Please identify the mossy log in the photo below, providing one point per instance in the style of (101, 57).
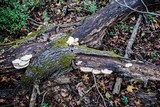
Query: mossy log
(53, 58)
(57, 60)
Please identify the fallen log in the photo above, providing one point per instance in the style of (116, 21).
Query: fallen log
(52, 58)
(57, 60)
(92, 31)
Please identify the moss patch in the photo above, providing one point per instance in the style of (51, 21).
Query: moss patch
(107, 52)
(113, 54)
(66, 60)
(61, 41)
(46, 68)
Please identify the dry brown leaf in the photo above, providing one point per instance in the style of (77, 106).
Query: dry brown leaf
(85, 78)
(4, 79)
(130, 88)
(117, 101)
(2, 100)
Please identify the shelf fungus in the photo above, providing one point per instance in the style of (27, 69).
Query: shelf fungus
(127, 65)
(95, 71)
(72, 41)
(22, 62)
(86, 69)
(106, 71)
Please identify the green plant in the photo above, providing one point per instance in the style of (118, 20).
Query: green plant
(44, 104)
(150, 17)
(89, 6)
(154, 53)
(123, 27)
(13, 14)
(45, 17)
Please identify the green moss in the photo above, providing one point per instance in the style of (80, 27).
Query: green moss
(61, 41)
(46, 68)
(107, 52)
(66, 60)
(26, 81)
(113, 53)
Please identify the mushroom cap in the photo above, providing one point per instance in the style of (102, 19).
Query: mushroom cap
(127, 65)
(26, 57)
(70, 40)
(86, 69)
(21, 67)
(78, 62)
(76, 39)
(16, 62)
(96, 71)
(23, 63)
(106, 71)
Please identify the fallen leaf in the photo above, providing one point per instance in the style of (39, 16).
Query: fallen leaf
(58, 12)
(2, 100)
(85, 78)
(124, 99)
(117, 101)
(130, 88)
(4, 79)
(107, 95)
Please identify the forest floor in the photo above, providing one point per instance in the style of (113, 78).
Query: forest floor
(77, 89)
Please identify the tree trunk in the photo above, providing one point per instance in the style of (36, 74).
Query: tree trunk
(51, 59)
(92, 31)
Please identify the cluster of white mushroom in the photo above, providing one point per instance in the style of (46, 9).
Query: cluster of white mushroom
(96, 71)
(72, 41)
(99, 71)
(22, 62)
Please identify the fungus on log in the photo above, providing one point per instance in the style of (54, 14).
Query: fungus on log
(51, 58)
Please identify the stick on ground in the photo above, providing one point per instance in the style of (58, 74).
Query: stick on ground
(132, 38)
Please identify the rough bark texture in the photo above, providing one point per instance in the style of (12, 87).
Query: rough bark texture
(54, 59)
(92, 31)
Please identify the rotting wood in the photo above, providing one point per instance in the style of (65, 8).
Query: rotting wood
(54, 60)
(92, 31)
(33, 96)
(88, 57)
(117, 86)
(133, 37)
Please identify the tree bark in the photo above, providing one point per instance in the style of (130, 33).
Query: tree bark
(92, 31)
(51, 60)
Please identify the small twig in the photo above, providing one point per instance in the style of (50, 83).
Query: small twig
(37, 23)
(95, 82)
(132, 38)
(90, 88)
(126, 5)
(43, 97)
(145, 5)
(33, 96)
(117, 86)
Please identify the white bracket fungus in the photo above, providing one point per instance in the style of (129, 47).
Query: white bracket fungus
(106, 71)
(22, 62)
(86, 69)
(127, 65)
(79, 62)
(72, 41)
(95, 71)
